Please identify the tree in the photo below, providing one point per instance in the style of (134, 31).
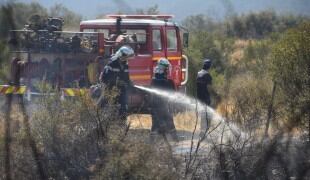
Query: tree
(20, 13)
(291, 71)
(260, 25)
(200, 22)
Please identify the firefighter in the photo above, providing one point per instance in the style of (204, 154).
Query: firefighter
(162, 119)
(115, 77)
(203, 80)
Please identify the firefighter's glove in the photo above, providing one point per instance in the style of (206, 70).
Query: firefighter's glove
(96, 91)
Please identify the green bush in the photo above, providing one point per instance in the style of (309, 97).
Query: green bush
(290, 69)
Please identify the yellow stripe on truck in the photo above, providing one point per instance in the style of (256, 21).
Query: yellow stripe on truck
(82, 92)
(171, 58)
(70, 92)
(140, 77)
(21, 90)
(74, 92)
(6, 89)
(9, 90)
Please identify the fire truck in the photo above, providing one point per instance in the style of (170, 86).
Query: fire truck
(72, 61)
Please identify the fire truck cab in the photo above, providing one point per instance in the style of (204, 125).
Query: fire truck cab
(154, 37)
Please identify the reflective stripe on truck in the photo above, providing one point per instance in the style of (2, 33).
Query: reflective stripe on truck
(8, 89)
(74, 91)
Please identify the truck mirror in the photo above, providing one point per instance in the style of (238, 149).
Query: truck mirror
(185, 39)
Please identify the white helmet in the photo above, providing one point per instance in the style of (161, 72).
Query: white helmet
(123, 53)
(162, 66)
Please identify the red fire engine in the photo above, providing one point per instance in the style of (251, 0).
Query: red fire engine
(64, 58)
(156, 37)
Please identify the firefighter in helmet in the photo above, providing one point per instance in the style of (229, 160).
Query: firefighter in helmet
(204, 80)
(162, 119)
(115, 77)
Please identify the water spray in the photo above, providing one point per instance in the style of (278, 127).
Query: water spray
(194, 104)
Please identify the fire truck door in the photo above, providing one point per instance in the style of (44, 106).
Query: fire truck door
(174, 53)
(157, 45)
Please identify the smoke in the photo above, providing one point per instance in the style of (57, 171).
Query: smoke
(228, 7)
(123, 7)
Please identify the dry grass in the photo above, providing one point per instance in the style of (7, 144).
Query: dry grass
(186, 121)
(183, 121)
(241, 43)
(16, 120)
(1, 125)
(238, 53)
(140, 121)
(236, 56)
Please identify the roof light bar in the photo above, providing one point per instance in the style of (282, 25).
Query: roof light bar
(142, 16)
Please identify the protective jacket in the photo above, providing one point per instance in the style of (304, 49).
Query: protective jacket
(203, 80)
(162, 119)
(116, 75)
